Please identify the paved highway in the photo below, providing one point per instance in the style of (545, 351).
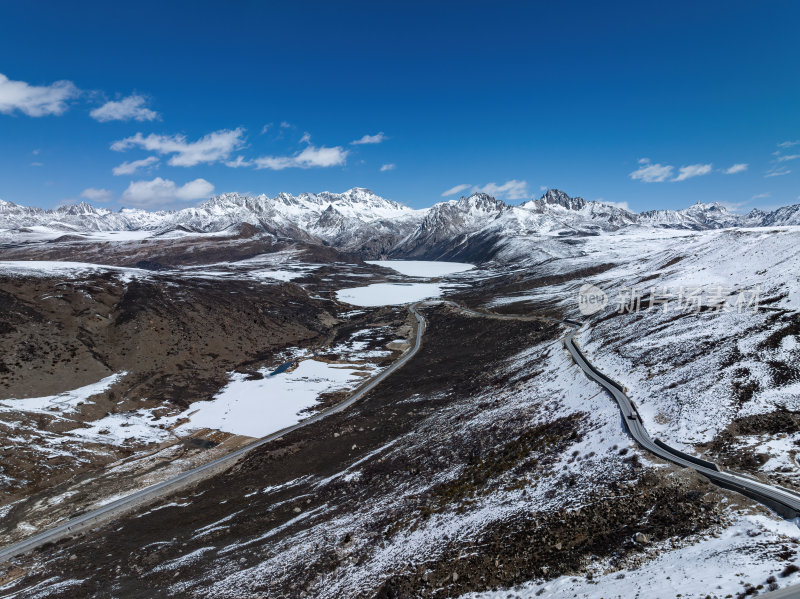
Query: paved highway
(783, 501)
(152, 493)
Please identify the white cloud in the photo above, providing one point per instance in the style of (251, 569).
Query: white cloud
(94, 194)
(37, 163)
(208, 149)
(786, 157)
(285, 125)
(311, 156)
(651, 173)
(511, 190)
(658, 173)
(761, 196)
(777, 172)
(693, 170)
(127, 109)
(306, 139)
(265, 128)
(35, 100)
(128, 168)
(239, 162)
(160, 191)
(789, 144)
(736, 168)
(388, 167)
(369, 139)
(456, 189)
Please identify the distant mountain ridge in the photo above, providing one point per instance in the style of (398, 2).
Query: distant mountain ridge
(359, 220)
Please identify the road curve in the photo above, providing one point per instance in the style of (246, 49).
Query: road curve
(150, 494)
(784, 502)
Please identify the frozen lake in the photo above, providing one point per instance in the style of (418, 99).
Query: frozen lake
(423, 268)
(389, 294)
(395, 294)
(256, 408)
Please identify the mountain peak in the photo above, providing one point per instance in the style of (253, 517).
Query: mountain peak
(702, 206)
(80, 208)
(481, 201)
(359, 191)
(559, 198)
(554, 197)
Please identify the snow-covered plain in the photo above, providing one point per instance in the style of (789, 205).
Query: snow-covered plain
(51, 268)
(44, 233)
(284, 266)
(266, 268)
(256, 408)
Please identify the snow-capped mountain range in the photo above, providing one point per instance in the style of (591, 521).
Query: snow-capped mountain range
(362, 221)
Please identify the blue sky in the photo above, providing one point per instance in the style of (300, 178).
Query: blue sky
(657, 105)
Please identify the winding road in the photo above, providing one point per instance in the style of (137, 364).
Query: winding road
(784, 502)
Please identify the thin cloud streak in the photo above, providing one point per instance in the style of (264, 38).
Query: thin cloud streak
(129, 168)
(456, 189)
(369, 139)
(736, 168)
(131, 108)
